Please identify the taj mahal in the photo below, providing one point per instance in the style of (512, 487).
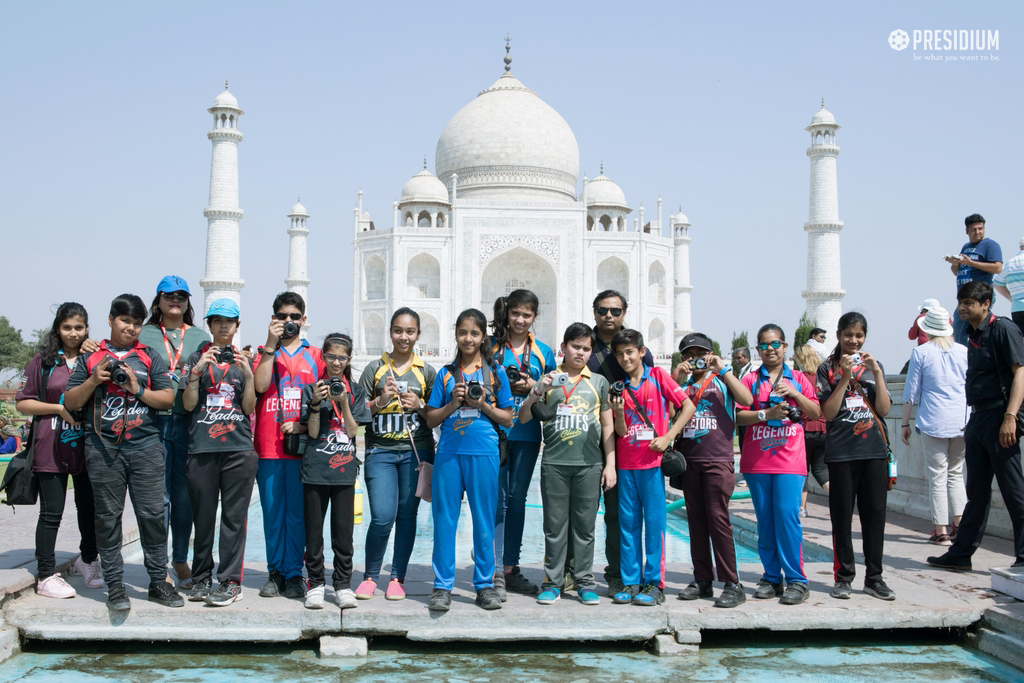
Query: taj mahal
(504, 209)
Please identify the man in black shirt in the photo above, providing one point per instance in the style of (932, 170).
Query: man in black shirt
(995, 390)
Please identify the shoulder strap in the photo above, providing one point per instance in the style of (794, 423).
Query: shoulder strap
(597, 395)
(280, 394)
(45, 371)
(640, 409)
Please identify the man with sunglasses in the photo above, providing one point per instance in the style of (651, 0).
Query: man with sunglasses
(171, 334)
(609, 315)
(286, 364)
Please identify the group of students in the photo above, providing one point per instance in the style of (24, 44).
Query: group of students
(181, 421)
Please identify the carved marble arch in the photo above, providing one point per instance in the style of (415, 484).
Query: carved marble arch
(373, 333)
(527, 270)
(590, 222)
(613, 273)
(407, 221)
(423, 277)
(423, 220)
(374, 272)
(655, 340)
(430, 335)
(656, 284)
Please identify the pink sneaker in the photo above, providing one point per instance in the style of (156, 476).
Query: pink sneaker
(55, 587)
(366, 589)
(395, 591)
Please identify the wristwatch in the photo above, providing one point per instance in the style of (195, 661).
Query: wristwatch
(761, 416)
(724, 371)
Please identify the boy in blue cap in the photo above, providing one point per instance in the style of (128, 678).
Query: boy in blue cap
(219, 391)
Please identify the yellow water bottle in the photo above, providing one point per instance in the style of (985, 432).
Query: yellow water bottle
(357, 504)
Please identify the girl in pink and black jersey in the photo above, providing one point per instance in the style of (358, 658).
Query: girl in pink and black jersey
(774, 463)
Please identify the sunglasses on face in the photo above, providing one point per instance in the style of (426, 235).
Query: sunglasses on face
(331, 358)
(285, 316)
(175, 296)
(603, 310)
(773, 344)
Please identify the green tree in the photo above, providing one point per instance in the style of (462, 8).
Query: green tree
(14, 352)
(677, 358)
(716, 349)
(803, 331)
(739, 340)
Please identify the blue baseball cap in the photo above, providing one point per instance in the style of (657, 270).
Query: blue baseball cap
(173, 283)
(225, 308)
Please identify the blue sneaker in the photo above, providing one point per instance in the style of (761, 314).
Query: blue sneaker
(548, 596)
(650, 596)
(589, 597)
(626, 595)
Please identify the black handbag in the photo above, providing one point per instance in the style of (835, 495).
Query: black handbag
(20, 483)
(673, 463)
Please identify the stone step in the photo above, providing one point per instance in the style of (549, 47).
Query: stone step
(1000, 645)
(1008, 618)
(1008, 581)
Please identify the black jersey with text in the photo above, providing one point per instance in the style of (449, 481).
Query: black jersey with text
(853, 433)
(330, 459)
(217, 424)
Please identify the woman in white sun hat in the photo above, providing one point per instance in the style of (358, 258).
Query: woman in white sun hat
(936, 379)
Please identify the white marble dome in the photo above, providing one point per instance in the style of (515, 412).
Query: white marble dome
(226, 99)
(602, 191)
(509, 142)
(424, 187)
(822, 116)
(680, 219)
(298, 210)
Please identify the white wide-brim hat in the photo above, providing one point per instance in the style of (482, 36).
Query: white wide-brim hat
(929, 304)
(936, 322)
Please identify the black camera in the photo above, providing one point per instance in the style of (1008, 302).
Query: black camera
(616, 389)
(336, 387)
(700, 364)
(475, 390)
(794, 414)
(118, 371)
(290, 330)
(513, 373)
(225, 355)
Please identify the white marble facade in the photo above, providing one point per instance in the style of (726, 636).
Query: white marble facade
(503, 213)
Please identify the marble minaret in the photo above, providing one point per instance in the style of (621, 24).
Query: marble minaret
(298, 278)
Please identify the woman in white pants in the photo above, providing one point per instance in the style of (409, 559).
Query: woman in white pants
(936, 379)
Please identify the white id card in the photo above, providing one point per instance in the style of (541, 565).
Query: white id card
(855, 403)
(342, 437)
(292, 393)
(689, 432)
(563, 410)
(645, 435)
(215, 401)
(468, 413)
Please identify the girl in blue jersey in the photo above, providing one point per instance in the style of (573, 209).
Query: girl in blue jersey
(525, 360)
(469, 400)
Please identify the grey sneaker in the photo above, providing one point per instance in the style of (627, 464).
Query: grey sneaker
(765, 589)
(117, 598)
(697, 589)
(499, 586)
(441, 600)
(517, 583)
(626, 594)
(488, 598)
(614, 585)
(878, 589)
(842, 590)
(795, 593)
(226, 593)
(200, 589)
(274, 585)
(164, 593)
(295, 587)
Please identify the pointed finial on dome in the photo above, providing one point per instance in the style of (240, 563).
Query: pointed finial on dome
(508, 49)
(602, 166)
(298, 200)
(822, 102)
(225, 84)
(424, 162)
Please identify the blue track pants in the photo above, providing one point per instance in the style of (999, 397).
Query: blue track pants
(283, 508)
(780, 536)
(642, 519)
(477, 475)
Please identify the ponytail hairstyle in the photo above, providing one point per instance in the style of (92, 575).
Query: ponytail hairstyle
(847, 321)
(480, 320)
(339, 339)
(50, 345)
(130, 305)
(504, 304)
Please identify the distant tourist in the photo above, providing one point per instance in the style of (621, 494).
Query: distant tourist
(817, 342)
(854, 400)
(979, 260)
(916, 333)
(741, 362)
(1010, 284)
(774, 464)
(995, 374)
(936, 379)
(59, 451)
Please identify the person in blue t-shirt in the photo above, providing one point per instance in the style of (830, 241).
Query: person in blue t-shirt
(526, 360)
(469, 400)
(980, 260)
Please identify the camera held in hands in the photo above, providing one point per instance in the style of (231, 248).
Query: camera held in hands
(513, 374)
(792, 412)
(290, 330)
(475, 390)
(616, 389)
(561, 379)
(335, 387)
(856, 358)
(118, 372)
(225, 355)
(700, 364)
(401, 386)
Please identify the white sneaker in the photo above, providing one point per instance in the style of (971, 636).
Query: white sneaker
(55, 587)
(315, 598)
(91, 572)
(346, 598)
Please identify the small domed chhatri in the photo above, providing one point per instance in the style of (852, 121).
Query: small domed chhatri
(822, 115)
(602, 191)
(424, 188)
(225, 99)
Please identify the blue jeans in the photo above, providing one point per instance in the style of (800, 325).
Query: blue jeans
(513, 485)
(177, 506)
(391, 478)
(780, 538)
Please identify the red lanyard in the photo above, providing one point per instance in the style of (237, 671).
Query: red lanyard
(174, 358)
(568, 394)
(526, 354)
(215, 383)
(700, 392)
(334, 404)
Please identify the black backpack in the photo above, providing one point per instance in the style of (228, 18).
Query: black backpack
(20, 483)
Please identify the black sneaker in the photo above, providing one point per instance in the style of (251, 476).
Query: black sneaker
(697, 589)
(625, 595)
(295, 587)
(878, 589)
(226, 593)
(274, 585)
(732, 595)
(517, 583)
(795, 593)
(200, 589)
(488, 598)
(1017, 565)
(842, 590)
(947, 561)
(499, 586)
(765, 589)
(650, 596)
(440, 600)
(165, 594)
(117, 598)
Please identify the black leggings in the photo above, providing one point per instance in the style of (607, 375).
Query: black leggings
(866, 483)
(53, 489)
(814, 444)
(342, 503)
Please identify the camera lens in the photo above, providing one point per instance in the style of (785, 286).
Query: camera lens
(336, 387)
(226, 356)
(616, 389)
(290, 329)
(475, 391)
(700, 364)
(513, 374)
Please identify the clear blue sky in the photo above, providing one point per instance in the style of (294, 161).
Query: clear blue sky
(104, 160)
